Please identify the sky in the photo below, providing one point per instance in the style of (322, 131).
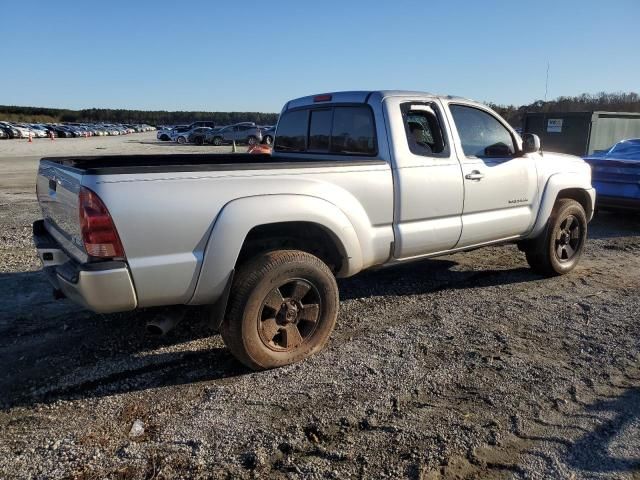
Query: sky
(254, 56)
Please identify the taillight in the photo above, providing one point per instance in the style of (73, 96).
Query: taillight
(99, 234)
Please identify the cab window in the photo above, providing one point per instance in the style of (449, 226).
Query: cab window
(481, 134)
(424, 130)
(342, 130)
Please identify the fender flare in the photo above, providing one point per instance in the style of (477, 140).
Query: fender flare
(239, 216)
(556, 184)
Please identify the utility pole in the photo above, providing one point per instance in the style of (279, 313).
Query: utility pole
(546, 85)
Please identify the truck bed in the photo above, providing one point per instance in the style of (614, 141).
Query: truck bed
(127, 164)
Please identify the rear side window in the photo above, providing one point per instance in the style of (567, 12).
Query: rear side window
(348, 130)
(424, 131)
(481, 134)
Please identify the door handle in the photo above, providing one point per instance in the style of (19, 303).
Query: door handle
(474, 175)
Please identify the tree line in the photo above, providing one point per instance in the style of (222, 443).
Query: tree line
(109, 115)
(614, 102)
(611, 102)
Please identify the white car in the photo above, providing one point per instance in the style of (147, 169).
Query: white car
(24, 132)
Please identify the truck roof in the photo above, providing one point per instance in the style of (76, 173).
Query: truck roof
(359, 96)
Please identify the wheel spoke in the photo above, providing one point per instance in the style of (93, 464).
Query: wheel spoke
(569, 251)
(560, 251)
(269, 328)
(274, 300)
(300, 289)
(310, 313)
(292, 337)
(570, 221)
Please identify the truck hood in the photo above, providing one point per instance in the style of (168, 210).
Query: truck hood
(552, 163)
(562, 162)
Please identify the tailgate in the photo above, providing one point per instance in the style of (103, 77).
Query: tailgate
(57, 188)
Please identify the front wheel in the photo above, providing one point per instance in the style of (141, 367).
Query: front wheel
(252, 140)
(558, 249)
(282, 309)
(182, 140)
(217, 141)
(268, 140)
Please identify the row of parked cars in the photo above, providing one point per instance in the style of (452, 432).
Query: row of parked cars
(68, 130)
(201, 133)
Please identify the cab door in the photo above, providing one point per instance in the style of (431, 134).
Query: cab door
(428, 181)
(500, 183)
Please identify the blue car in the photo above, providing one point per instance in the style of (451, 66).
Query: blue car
(616, 175)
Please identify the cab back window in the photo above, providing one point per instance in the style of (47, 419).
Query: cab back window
(320, 130)
(348, 130)
(292, 132)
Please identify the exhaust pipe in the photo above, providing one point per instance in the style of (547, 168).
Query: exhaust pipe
(166, 321)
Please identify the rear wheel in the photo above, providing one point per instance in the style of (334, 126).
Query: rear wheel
(252, 140)
(217, 141)
(558, 249)
(182, 140)
(268, 140)
(282, 309)
(199, 141)
(164, 137)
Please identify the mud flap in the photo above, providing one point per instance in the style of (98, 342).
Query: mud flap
(218, 310)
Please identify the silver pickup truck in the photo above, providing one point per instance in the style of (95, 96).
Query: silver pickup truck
(356, 180)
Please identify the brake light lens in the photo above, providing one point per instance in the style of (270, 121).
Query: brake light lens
(322, 98)
(99, 233)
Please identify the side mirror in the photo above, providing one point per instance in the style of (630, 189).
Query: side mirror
(530, 143)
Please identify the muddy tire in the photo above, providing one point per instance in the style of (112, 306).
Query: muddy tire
(559, 247)
(282, 309)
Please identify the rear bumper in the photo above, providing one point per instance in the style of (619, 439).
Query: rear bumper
(103, 287)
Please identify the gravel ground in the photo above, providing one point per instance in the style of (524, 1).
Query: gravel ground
(468, 366)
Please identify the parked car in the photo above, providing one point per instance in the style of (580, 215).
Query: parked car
(198, 134)
(616, 175)
(9, 130)
(3, 135)
(349, 186)
(22, 131)
(62, 132)
(244, 132)
(176, 132)
(268, 134)
(163, 134)
(208, 124)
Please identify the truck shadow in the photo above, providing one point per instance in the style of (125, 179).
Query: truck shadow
(54, 350)
(610, 224)
(428, 276)
(595, 451)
